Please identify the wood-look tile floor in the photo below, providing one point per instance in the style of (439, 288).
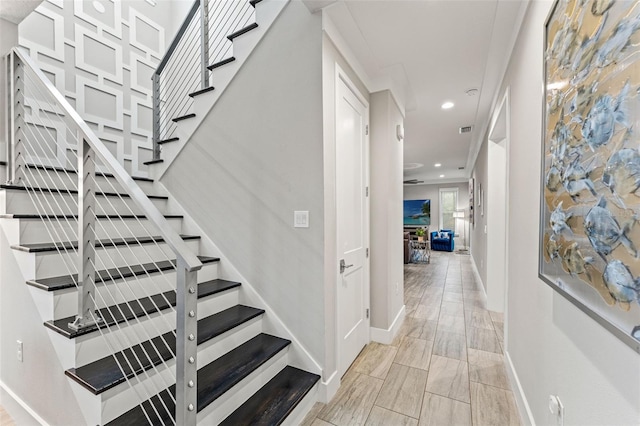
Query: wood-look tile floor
(445, 367)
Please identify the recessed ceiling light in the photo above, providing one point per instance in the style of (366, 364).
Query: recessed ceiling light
(441, 175)
(437, 165)
(447, 105)
(411, 166)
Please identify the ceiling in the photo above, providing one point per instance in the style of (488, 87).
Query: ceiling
(16, 10)
(429, 52)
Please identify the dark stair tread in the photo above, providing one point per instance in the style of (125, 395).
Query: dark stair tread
(74, 191)
(156, 161)
(3, 163)
(184, 117)
(69, 171)
(147, 305)
(201, 91)
(68, 281)
(73, 216)
(275, 400)
(214, 380)
(106, 373)
(242, 31)
(70, 245)
(221, 63)
(167, 141)
(254, 2)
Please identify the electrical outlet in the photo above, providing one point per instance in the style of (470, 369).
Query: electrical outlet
(556, 409)
(19, 352)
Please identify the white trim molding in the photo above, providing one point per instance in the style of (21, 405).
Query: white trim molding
(383, 336)
(23, 404)
(526, 416)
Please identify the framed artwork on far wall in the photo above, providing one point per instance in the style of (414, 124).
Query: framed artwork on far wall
(471, 189)
(589, 249)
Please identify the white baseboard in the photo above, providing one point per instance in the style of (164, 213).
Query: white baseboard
(23, 405)
(383, 336)
(477, 275)
(328, 388)
(526, 416)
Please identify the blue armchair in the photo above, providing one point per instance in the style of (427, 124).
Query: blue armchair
(442, 244)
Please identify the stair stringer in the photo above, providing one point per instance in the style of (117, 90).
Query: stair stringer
(299, 356)
(266, 13)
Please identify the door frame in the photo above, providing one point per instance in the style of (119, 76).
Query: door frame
(340, 74)
(499, 133)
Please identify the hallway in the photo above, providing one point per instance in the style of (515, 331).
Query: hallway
(445, 367)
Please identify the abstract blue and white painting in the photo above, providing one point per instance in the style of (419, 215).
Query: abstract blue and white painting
(590, 208)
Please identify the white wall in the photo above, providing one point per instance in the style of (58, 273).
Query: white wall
(496, 225)
(102, 63)
(432, 192)
(387, 274)
(478, 233)
(38, 380)
(553, 346)
(254, 160)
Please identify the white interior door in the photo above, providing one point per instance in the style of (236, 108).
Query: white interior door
(352, 223)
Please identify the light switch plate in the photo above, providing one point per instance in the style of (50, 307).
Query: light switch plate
(300, 219)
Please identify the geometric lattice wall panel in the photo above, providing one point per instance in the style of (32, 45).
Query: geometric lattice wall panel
(101, 54)
(43, 33)
(146, 34)
(141, 73)
(99, 103)
(106, 15)
(98, 55)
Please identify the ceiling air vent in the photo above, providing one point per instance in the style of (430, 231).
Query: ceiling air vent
(461, 168)
(465, 129)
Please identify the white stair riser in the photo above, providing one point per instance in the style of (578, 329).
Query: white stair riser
(23, 202)
(125, 396)
(132, 288)
(95, 346)
(221, 408)
(51, 179)
(37, 231)
(53, 264)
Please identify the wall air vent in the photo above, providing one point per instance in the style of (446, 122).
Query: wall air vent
(466, 129)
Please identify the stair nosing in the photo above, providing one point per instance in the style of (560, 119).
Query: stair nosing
(156, 161)
(227, 285)
(242, 31)
(183, 117)
(304, 376)
(69, 171)
(279, 344)
(54, 247)
(162, 142)
(221, 63)
(250, 314)
(74, 191)
(124, 272)
(201, 91)
(21, 216)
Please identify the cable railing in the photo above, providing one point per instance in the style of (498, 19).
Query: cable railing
(200, 42)
(75, 210)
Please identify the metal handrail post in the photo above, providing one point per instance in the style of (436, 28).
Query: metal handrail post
(204, 47)
(186, 346)
(86, 238)
(156, 115)
(10, 114)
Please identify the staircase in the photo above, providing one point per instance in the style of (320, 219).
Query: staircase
(132, 301)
